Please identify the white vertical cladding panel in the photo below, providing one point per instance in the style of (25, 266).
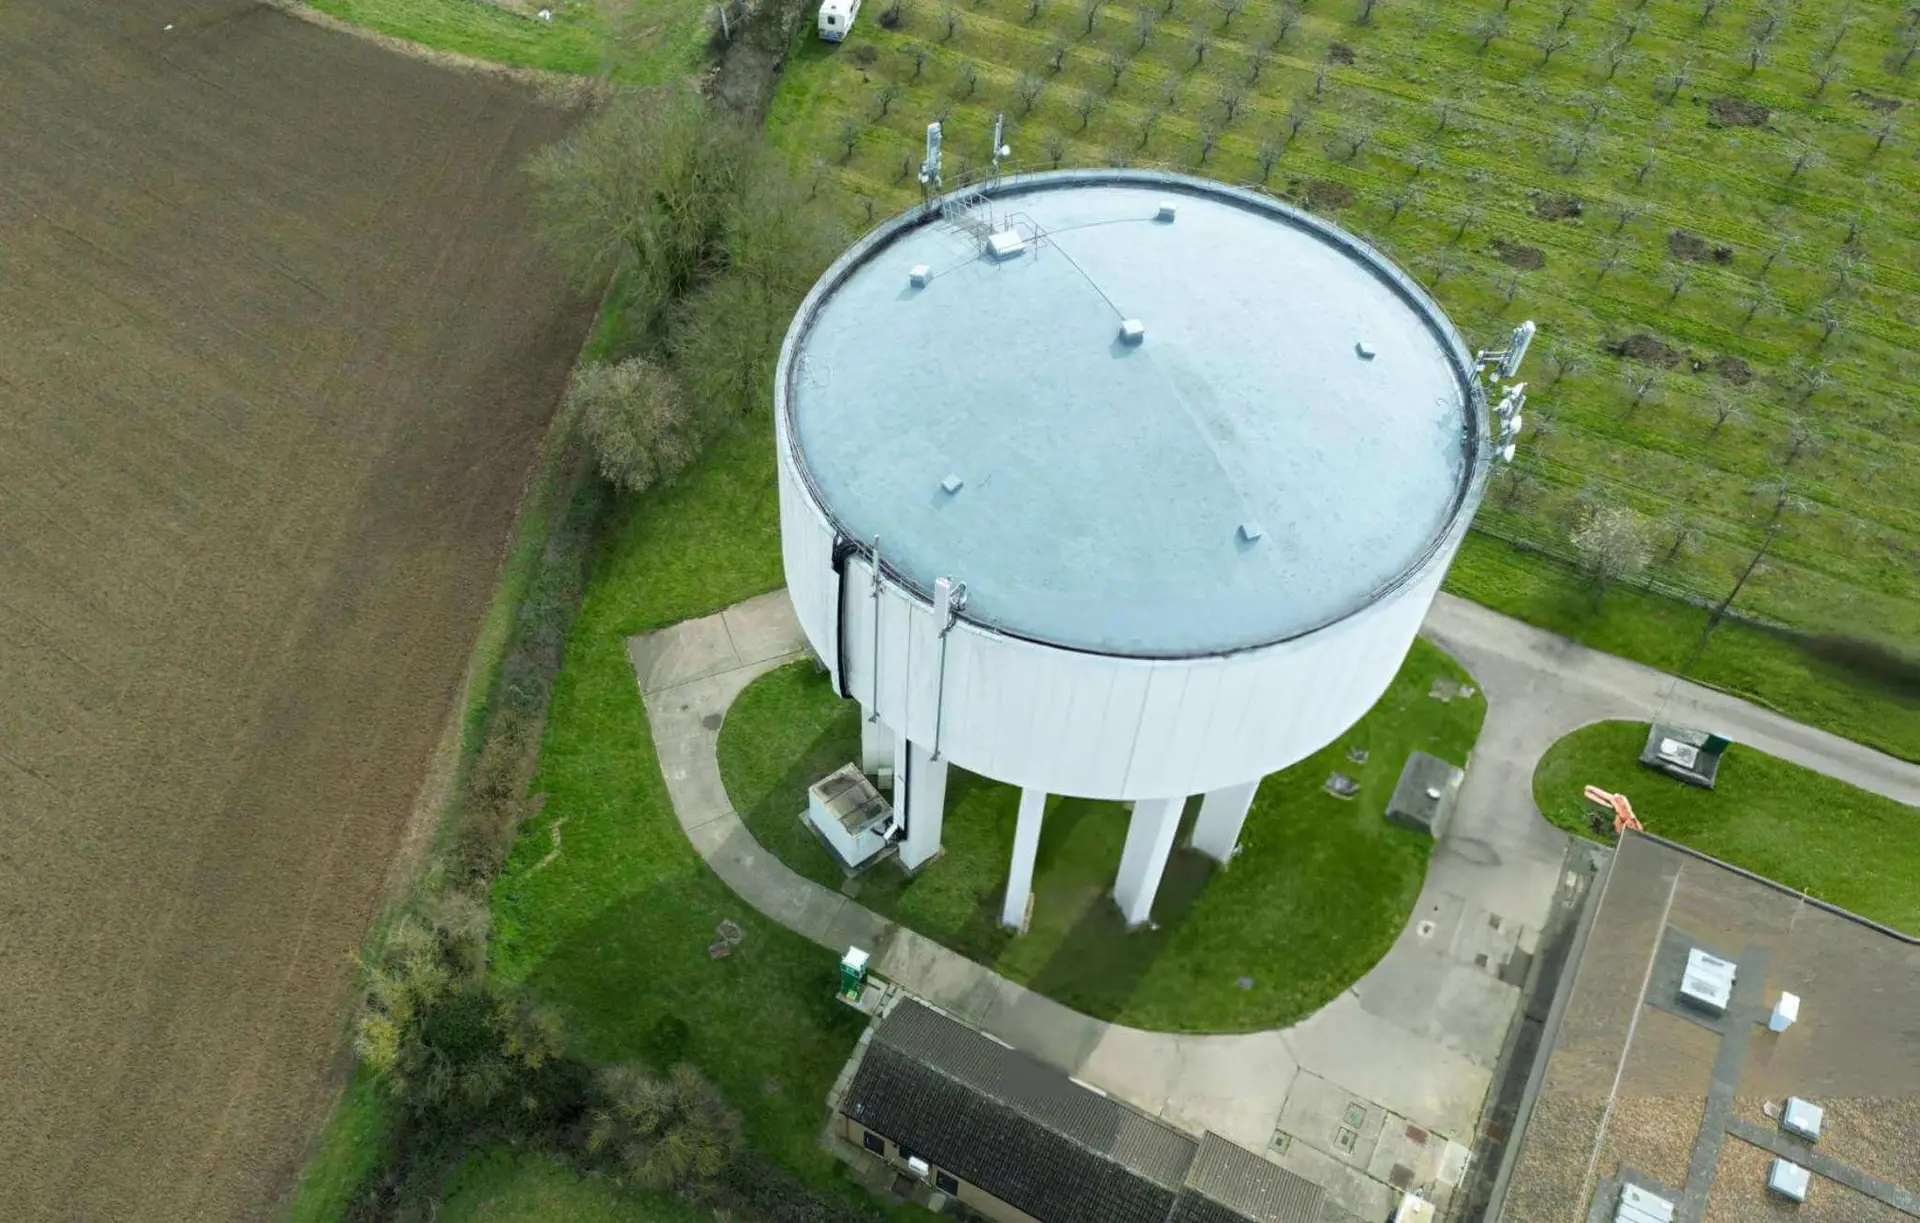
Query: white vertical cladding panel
(918, 627)
(806, 553)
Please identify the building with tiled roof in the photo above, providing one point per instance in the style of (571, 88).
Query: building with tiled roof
(1017, 1140)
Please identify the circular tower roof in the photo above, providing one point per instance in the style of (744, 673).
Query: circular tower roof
(1288, 439)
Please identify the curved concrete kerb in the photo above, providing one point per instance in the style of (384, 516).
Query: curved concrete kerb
(1413, 1044)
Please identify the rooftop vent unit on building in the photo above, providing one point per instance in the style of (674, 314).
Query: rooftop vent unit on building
(1639, 1206)
(1708, 981)
(1785, 1012)
(1168, 211)
(920, 274)
(1802, 1118)
(1005, 244)
(1789, 1180)
(1132, 331)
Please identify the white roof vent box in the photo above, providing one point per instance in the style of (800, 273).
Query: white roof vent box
(1639, 1206)
(1802, 1118)
(1708, 982)
(1789, 1180)
(1005, 245)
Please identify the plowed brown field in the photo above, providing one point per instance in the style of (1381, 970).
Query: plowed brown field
(276, 350)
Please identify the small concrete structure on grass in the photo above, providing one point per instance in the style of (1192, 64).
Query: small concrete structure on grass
(1118, 485)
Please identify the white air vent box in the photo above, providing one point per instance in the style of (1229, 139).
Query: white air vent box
(1789, 1180)
(1639, 1206)
(919, 275)
(1168, 211)
(1005, 244)
(1785, 1012)
(1800, 1117)
(1708, 981)
(1132, 331)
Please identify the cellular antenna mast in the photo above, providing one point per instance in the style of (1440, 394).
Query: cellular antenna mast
(1505, 364)
(1000, 147)
(930, 167)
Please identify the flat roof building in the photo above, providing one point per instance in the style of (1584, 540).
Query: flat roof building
(1120, 485)
(1642, 1097)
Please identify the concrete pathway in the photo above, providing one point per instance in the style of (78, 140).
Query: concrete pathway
(1412, 1044)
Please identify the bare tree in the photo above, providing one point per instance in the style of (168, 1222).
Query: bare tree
(1567, 10)
(1759, 51)
(1084, 104)
(1610, 254)
(1269, 155)
(1553, 41)
(949, 20)
(1487, 27)
(1443, 263)
(1319, 82)
(1116, 63)
(1809, 377)
(1467, 218)
(1684, 532)
(1649, 162)
(1286, 15)
(1806, 156)
(1679, 79)
(1707, 8)
(1443, 111)
(1824, 69)
(1206, 139)
(1757, 298)
(1028, 88)
(1148, 121)
(1170, 93)
(1566, 358)
(1055, 147)
(1055, 55)
(1679, 276)
(1908, 39)
(1231, 96)
(1516, 484)
(1365, 15)
(1297, 116)
(1399, 197)
(1781, 245)
(1033, 10)
(1200, 41)
(969, 78)
(849, 137)
(1724, 405)
(1611, 542)
(1882, 129)
(1631, 25)
(1257, 60)
(1617, 53)
(1356, 135)
(1144, 20)
(1643, 382)
(1229, 9)
(1837, 32)
(1830, 316)
(1804, 438)
(918, 54)
(1784, 499)
(1089, 13)
(884, 98)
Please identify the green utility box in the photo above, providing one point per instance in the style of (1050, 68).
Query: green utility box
(853, 973)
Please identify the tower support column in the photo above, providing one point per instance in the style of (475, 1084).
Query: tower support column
(876, 743)
(920, 799)
(1150, 836)
(1026, 847)
(1222, 814)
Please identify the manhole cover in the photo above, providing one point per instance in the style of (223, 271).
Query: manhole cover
(1342, 786)
(1424, 929)
(1356, 1115)
(1344, 1140)
(711, 721)
(1281, 1142)
(731, 932)
(1245, 983)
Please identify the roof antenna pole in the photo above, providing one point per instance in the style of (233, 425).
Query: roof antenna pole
(930, 165)
(1506, 363)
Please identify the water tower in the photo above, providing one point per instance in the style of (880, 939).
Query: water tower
(1116, 484)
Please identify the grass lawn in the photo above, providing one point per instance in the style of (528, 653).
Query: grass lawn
(498, 1186)
(1320, 891)
(642, 42)
(1470, 165)
(1824, 837)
